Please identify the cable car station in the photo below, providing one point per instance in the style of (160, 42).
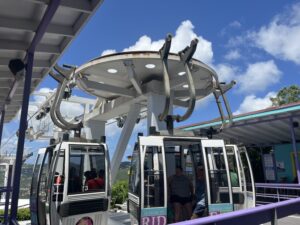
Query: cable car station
(210, 162)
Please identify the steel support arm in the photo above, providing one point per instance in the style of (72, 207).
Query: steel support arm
(164, 53)
(124, 139)
(185, 57)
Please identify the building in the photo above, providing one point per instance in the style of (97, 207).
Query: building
(272, 137)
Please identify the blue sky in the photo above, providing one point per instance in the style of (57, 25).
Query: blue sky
(253, 42)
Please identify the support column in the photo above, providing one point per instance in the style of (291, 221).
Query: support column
(1, 126)
(21, 140)
(94, 129)
(295, 148)
(156, 104)
(124, 139)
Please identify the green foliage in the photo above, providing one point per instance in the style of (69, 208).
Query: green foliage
(287, 95)
(119, 192)
(23, 214)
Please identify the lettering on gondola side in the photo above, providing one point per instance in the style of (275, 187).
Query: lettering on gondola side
(154, 220)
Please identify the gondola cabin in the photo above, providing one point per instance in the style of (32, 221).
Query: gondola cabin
(71, 184)
(160, 164)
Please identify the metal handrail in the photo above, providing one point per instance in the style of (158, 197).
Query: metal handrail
(276, 185)
(253, 216)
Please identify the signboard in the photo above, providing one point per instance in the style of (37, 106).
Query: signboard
(269, 167)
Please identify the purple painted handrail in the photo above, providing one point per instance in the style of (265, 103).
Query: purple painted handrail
(257, 215)
(276, 185)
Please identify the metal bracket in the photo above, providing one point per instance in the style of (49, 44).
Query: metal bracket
(185, 57)
(56, 76)
(132, 76)
(63, 77)
(164, 53)
(220, 91)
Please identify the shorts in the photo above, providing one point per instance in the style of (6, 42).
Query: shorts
(181, 200)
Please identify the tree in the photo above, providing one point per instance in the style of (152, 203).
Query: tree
(119, 192)
(287, 95)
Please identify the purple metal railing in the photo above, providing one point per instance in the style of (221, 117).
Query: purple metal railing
(253, 216)
(7, 190)
(1, 125)
(273, 192)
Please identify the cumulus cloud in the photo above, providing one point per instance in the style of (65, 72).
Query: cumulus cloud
(279, 38)
(226, 72)
(232, 55)
(235, 24)
(253, 103)
(183, 36)
(259, 76)
(108, 52)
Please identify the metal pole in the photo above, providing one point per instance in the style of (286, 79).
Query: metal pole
(8, 190)
(1, 126)
(22, 130)
(295, 148)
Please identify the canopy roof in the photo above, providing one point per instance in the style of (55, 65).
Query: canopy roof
(264, 127)
(19, 20)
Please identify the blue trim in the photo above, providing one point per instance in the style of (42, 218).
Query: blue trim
(252, 116)
(159, 211)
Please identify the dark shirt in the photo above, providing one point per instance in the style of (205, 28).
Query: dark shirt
(200, 191)
(180, 186)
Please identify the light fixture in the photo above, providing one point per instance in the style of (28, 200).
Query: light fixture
(185, 86)
(150, 66)
(181, 73)
(111, 70)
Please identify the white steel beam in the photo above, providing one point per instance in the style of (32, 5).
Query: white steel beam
(4, 76)
(108, 88)
(124, 139)
(29, 25)
(23, 46)
(76, 5)
(156, 104)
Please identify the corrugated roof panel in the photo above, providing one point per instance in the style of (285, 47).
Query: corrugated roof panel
(19, 20)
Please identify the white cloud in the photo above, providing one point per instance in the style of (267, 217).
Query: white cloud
(108, 52)
(280, 37)
(259, 76)
(232, 55)
(235, 24)
(225, 72)
(253, 103)
(183, 36)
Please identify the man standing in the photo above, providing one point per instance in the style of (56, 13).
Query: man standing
(200, 193)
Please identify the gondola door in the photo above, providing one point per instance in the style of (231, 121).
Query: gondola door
(34, 187)
(249, 179)
(219, 191)
(237, 177)
(134, 187)
(55, 186)
(39, 187)
(147, 192)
